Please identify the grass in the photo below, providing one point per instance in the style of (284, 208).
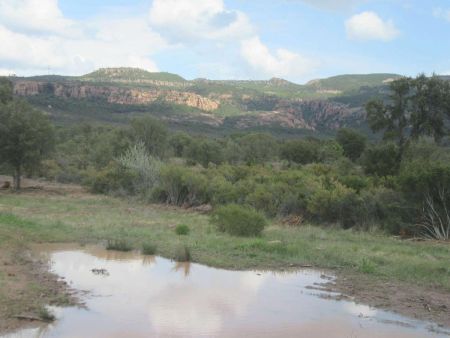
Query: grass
(46, 315)
(182, 254)
(84, 218)
(182, 229)
(148, 249)
(118, 245)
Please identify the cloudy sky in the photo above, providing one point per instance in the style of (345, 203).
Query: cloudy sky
(226, 39)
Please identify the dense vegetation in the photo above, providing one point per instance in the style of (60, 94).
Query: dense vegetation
(399, 184)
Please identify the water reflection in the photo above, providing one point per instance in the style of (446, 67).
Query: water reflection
(146, 296)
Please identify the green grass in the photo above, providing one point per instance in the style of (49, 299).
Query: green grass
(118, 245)
(148, 249)
(182, 229)
(88, 218)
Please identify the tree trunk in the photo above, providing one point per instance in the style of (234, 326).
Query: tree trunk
(17, 178)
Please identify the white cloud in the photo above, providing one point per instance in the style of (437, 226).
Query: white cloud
(369, 26)
(186, 20)
(442, 13)
(282, 63)
(33, 44)
(333, 4)
(34, 16)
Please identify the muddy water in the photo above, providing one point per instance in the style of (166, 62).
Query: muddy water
(146, 296)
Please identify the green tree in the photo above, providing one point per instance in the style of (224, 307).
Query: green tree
(416, 107)
(431, 102)
(205, 151)
(26, 136)
(300, 151)
(393, 118)
(6, 90)
(381, 160)
(352, 142)
(152, 132)
(258, 148)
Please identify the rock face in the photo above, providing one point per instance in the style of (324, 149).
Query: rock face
(118, 95)
(303, 114)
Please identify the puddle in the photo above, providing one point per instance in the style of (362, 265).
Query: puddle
(130, 295)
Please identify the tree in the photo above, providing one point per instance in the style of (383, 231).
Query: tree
(381, 160)
(300, 151)
(416, 107)
(205, 151)
(352, 142)
(258, 148)
(394, 117)
(6, 90)
(152, 132)
(26, 136)
(431, 102)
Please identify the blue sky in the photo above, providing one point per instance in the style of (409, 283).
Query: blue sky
(234, 39)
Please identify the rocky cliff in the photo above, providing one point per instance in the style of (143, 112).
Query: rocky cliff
(114, 94)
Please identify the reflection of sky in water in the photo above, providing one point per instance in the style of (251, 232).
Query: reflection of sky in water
(146, 296)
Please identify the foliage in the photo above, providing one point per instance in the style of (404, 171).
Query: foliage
(300, 151)
(152, 132)
(182, 254)
(417, 107)
(182, 229)
(352, 142)
(118, 245)
(239, 221)
(381, 160)
(258, 148)
(26, 136)
(144, 167)
(149, 249)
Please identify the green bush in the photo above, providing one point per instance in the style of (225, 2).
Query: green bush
(182, 254)
(182, 229)
(238, 220)
(118, 245)
(148, 249)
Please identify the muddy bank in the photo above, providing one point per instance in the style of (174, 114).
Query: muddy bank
(409, 300)
(26, 287)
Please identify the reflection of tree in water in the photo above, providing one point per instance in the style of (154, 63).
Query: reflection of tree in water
(184, 266)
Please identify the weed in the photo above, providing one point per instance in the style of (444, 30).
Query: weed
(46, 315)
(118, 245)
(366, 266)
(148, 249)
(182, 229)
(182, 254)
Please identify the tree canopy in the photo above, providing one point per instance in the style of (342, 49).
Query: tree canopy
(26, 134)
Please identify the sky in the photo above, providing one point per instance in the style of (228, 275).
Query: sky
(298, 40)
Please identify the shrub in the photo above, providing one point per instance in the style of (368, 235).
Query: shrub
(148, 249)
(112, 178)
(45, 315)
(118, 245)
(352, 142)
(239, 221)
(173, 185)
(182, 229)
(381, 160)
(182, 254)
(300, 151)
(144, 167)
(366, 266)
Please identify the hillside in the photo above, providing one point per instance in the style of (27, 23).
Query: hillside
(114, 95)
(351, 82)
